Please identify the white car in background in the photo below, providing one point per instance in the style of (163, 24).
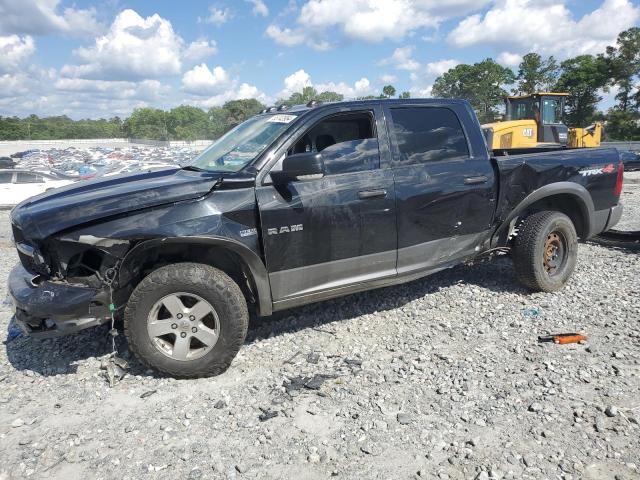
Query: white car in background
(18, 185)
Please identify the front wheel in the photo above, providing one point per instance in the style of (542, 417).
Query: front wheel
(187, 320)
(545, 251)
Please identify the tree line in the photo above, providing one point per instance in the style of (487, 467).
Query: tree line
(585, 78)
(185, 122)
(484, 84)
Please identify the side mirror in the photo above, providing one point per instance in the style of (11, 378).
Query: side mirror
(300, 166)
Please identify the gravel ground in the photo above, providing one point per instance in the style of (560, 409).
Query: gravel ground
(439, 378)
(631, 198)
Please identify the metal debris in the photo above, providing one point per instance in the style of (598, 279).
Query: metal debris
(267, 414)
(313, 358)
(148, 394)
(115, 369)
(310, 383)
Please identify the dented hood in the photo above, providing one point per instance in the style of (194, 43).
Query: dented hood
(43, 215)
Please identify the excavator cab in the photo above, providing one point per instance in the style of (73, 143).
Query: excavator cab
(546, 110)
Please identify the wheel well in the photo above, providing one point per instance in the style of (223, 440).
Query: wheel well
(568, 204)
(158, 256)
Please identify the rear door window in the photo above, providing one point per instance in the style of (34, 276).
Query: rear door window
(427, 134)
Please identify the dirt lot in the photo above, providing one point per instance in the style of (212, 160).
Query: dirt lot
(438, 378)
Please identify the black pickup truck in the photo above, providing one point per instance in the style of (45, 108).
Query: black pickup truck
(295, 206)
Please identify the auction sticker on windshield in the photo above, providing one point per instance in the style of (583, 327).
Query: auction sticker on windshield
(282, 118)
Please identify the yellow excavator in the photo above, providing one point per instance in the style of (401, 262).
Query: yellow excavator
(536, 121)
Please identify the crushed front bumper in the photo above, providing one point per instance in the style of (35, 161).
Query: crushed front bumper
(45, 309)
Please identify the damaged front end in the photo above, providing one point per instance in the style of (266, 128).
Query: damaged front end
(66, 280)
(64, 285)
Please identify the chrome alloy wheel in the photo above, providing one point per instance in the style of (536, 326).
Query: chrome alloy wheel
(183, 326)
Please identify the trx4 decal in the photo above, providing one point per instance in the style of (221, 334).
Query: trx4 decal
(597, 171)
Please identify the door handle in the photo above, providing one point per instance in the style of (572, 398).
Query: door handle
(476, 180)
(366, 194)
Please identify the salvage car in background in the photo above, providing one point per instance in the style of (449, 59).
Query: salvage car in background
(18, 185)
(295, 206)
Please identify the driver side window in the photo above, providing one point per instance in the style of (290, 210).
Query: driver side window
(348, 143)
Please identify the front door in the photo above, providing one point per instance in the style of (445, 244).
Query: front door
(330, 233)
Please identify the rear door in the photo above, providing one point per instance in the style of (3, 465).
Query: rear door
(444, 182)
(327, 234)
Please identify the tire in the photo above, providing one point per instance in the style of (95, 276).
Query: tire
(211, 328)
(541, 236)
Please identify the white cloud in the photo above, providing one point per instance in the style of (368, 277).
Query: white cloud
(422, 79)
(42, 17)
(301, 79)
(14, 50)
(113, 89)
(44, 92)
(360, 88)
(200, 49)
(421, 92)
(134, 48)
(387, 78)
(295, 83)
(402, 59)
(12, 85)
(218, 16)
(218, 86)
(435, 69)
(322, 23)
(370, 20)
(285, 36)
(202, 81)
(546, 28)
(508, 59)
(237, 92)
(259, 8)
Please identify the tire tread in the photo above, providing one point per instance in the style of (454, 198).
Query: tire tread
(191, 274)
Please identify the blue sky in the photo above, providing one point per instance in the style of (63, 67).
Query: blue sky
(99, 59)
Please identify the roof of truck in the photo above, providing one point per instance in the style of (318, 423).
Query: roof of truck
(351, 103)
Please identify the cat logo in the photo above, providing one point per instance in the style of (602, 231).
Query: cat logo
(527, 132)
(285, 229)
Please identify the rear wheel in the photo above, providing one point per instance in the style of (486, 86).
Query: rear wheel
(187, 320)
(545, 251)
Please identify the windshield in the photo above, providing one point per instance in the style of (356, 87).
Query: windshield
(524, 109)
(551, 111)
(240, 146)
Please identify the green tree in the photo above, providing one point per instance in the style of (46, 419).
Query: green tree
(622, 125)
(482, 84)
(308, 94)
(330, 97)
(405, 95)
(388, 91)
(147, 123)
(582, 77)
(237, 111)
(187, 123)
(623, 62)
(300, 98)
(536, 74)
